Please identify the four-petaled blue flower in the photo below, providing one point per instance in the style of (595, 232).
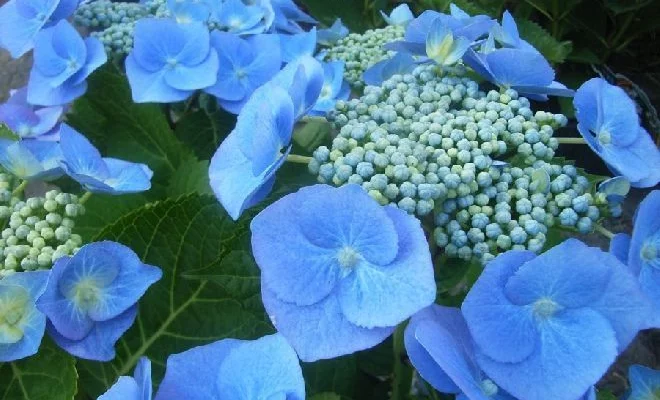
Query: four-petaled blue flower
(22, 326)
(90, 300)
(170, 61)
(31, 159)
(608, 121)
(137, 387)
(187, 11)
(644, 383)
(401, 15)
(232, 369)
(297, 45)
(234, 16)
(327, 37)
(401, 63)
(21, 21)
(334, 88)
(28, 121)
(334, 259)
(441, 45)
(83, 163)
(62, 63)
(245, 65)
(562, 316)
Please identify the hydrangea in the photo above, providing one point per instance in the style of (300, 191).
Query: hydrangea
(234, 16)
(644, 383)
(137, 387)
(29, 121)
(83, 162)
(608, 121)
(614, 190)
(22, 20)
(169, 61)
(329, 36)
(90, 300)
(288, 16)
(245, 65)
(231, 369)
(563, 316)
(359, 269)
(507, 34)
(187, 11)
(31, 159)
(62, 63)
(401, 15)
(400, 64)
(299, 45)
(442, 47)
(21, 324)
(334, 88)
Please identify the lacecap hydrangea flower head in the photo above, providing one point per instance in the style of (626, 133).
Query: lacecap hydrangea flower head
(549, 326)
(90, 300)
(137, 387)
(232, 369)
(334, 259)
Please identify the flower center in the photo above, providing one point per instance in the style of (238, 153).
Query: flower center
(326, 91)
(545, 307)
(86, 294)
(348, 257)
(650, 252)
(171, 63)
(604, 137)
(24, 130)
(72, 64)
(489, 387)
(240, 73)
(235, 23)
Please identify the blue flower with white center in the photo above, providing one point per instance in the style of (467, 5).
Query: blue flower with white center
(22, 20)
(22, 326)
(186, 11)
(527, 72)
(245, 65)
(137, 387)
(359, 269)
(31, 159)
(329, 36)
(297, 45)
(62, 63)
(644, 383)
(441, 349)
(562, 316)
(91, 298)
(234, 16)
(83, 163)
(401, 63)
(232, 369)
(608, 121)
(288, 16)
(28, 121)
(170, 61)
(400, 16)
(334, 88)
(442, 47)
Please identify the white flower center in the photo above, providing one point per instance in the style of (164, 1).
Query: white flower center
(348, 257)
(545, 307)
(604, 137)
(489, 387)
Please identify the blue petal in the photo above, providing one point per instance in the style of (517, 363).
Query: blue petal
(80, 156)
(18, 160)
(186, 11)
(329, 36)
(124, 389)
(40, 91)
(234, 55)
(649, 282)
(419, 27)
(512, 67)
(553, 89)
(48, 119)
(619, 246)
(303, 80)
(33, 281)
(95, 58)
(236, 17)
(332, 336)
(296, 46)
(195, 77)
(33, 331)
(401, 15)
(127, 177)
(477, 61)
(644, 149)
(17, 32)
(63, 10)
(644, 382)
(149, 86)
(142, 376)
(617, 187)
(291, 11)
(508, 33)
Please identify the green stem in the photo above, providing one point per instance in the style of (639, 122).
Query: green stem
(85, 197)
(567, 140)
(603, 231)
(402, 380)
(294, 158)
(626, 24)
(313, 119)
(19, 189)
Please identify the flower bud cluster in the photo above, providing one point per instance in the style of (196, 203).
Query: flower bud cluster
(102, 14)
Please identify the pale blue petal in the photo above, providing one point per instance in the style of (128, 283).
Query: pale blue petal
(329, 36)
(644, 383)
(18, 160)
(195, 77)
(303, 79)
(511, 67)
(126, 388)
(419, 27)
(151, 86)
(299, 45)
(47, 61)
(618, 114)
(234, 55)
(645, 149)
(156, 40)
(80, 156)
(619, 246)
(17, 32)
(40, 91)
(127, 177)
(142, 376)
(508, 35)
(63, 10)
(401, 15)
(33, 332)
(477, 61)
(553, 89)
(48, 118)
(236, 17)
(95, 58)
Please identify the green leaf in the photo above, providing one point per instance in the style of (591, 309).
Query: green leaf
(103, 209)
(48, 375)
(180, 236)
(554, 50)
(326, 396)
(203, 132)
(192, 177)
(619, 6)
(337, 375)
(351, 12)
(604, 394)
(6, 133)
(311, 134)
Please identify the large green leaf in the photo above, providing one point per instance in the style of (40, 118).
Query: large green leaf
(204, 131)
(351, 12)
(48, 375)
(554, 50)
(185, 235)
(101, 210)
(337, 375)
(192, 177)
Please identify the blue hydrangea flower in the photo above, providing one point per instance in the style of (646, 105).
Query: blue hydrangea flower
(329, 36)
(170, 61)
(232, 369)
(62, 63)
(21, 21)
(28, 121)
(83, 163)
(31, 159)
(440, 347)
(21, 324)
(400, 16)
(245, 65)
(90, 300)
(401, 63)
(303, 79)
(187, 11)
(288, 16)
(137, 387)
(357, 271)
(297, 45)
(334, 88)
(644, 383)
(442, 47)
(615, 191)
(234, 16)
(608, 121)
(507, 34)
(562, 316)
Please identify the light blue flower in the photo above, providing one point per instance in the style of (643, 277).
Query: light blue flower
(562, 316)
(442, 47)
(234, 16)
(507, 34)
(21, 21)
(28, 121)
(644, 383)
(186, 11)
(329, 36)
(608, 121)
(334, 88)
(288, 16)
(245, 65)
(303, 80)
(170, 61)
(137, 387)
(232, 369)
(358, 269)
(401, 16)
(90, 300)
(401, 63)
(62, 63)
(297, 45)
(441, 349)
(22, 326)
(83, 163)
(31, 159)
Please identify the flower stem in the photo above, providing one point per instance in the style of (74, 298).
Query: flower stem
(567, 140)
(402, 380)
(19, 189)
(85, 197)
(313, 119)
(603, 231)
(294, 158)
